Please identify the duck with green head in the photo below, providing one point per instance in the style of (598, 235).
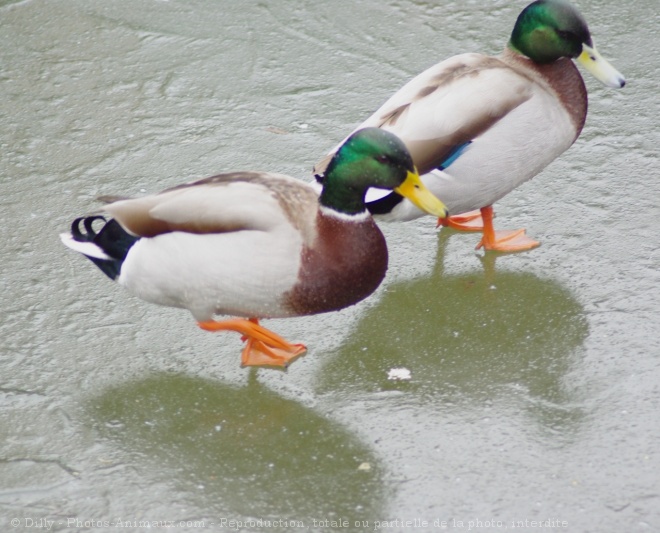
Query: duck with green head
(479, 126)
(255, 244)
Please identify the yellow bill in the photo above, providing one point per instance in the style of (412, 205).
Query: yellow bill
(591, 60)
(418, 194)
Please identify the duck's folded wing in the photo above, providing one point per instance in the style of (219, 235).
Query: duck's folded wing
(214, 205)
(450, 105)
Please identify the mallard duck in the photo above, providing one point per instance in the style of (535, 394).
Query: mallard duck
(479, 126)
(255, 244)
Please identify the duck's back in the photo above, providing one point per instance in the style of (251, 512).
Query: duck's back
(522, 142)
(231, 244)
(249, 244)
(484, 125)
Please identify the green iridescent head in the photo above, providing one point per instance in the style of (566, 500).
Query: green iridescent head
(372, 157)
(547, 30)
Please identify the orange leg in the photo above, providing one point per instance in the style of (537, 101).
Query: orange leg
(503, 241)
(263, 347)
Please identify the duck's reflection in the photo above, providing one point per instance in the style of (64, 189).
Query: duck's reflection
(471, 337)
(244, 452)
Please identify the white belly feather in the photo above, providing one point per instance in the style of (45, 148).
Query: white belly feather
(514, 150)
(243, 273)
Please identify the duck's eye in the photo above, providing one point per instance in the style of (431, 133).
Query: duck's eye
(383, 159)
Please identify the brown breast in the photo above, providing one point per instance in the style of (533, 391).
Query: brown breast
(562, 77)
(344, 265)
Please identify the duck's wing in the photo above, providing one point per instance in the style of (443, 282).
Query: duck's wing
(220, 204)
(448, 106)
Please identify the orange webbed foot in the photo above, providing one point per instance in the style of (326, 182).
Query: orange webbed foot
(263, 348)
(470, 221)
(503, 241)
(258, 353)
(507, 241)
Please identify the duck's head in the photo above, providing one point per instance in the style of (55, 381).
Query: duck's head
(372, 157)
(547, 30)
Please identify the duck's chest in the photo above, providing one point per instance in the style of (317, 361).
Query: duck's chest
(344, 265)
(557, 85)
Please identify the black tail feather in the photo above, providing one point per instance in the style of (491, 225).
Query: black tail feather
(112, 239)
